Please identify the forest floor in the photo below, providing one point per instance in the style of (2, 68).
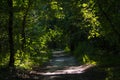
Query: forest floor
(62, 66)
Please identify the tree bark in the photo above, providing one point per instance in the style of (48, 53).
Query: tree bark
(10, 34)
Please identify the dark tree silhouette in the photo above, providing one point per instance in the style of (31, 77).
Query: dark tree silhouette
(10, 33)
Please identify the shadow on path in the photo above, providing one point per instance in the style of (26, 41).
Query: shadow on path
(64, 67)
(61, 67)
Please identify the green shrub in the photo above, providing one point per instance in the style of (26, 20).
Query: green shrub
(84, 52)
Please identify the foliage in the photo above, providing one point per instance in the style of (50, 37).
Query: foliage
(87, 28)
(85, 52)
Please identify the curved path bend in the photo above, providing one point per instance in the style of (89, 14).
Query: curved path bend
(63, 66)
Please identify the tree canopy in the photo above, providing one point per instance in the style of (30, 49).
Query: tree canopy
(31, 29)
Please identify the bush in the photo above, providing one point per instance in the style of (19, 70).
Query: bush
(84, 52)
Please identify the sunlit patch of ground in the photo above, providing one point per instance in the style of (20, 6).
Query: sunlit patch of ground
(67, 70)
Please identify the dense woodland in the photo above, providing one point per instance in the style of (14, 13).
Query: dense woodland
(31, 29)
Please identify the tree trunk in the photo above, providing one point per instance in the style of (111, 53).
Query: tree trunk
(23, 27)
(23, 32)
(10, 34)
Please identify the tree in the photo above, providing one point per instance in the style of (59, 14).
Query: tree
(10, 34)
(109, 19)
(26, 10)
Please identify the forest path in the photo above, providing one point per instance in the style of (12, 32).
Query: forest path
(62, 63)
(62, 66)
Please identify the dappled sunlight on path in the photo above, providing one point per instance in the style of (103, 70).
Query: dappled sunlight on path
(60, 65)
(63, 66)
(68, 70)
